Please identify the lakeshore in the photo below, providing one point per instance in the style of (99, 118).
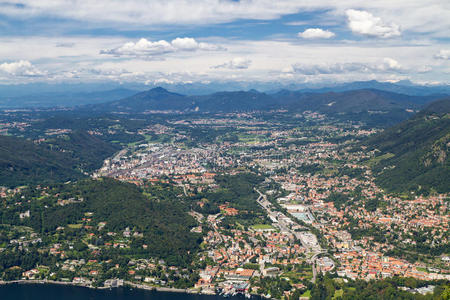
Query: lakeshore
(126, 283)
(55, 290)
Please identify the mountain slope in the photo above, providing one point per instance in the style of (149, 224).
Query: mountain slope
(234, 101)
(349, 101)
(86, 151)
(57, 159)
(401, 87)
(22, 162)
(159, 214)
(154, 99)
(414, 155)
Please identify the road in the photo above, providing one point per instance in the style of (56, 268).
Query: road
(283, 223)
(213, 224)
(313, 263)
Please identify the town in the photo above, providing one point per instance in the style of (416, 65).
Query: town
(316, 210)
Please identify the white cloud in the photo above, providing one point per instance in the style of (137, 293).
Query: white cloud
(146, 48)
(235, 63)
(65, 45)
(316, 33)
(21, 68)
(296, 23)
(144, 12)
(388, 65)
(288, 69)
(160, 81)
(363, 22)
(443, 54)
(424, 69)
(188, 44)
(105, 71)
(422, 16)
(268, 57)
(143, 47)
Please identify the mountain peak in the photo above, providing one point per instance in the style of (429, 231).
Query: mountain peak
(159, 93)
(159, 89)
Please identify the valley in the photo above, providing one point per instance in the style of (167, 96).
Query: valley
(272, 203)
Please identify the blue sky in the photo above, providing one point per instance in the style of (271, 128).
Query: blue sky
(176, 41)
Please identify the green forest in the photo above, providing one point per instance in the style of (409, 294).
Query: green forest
(22, 162)
(155, 211)
(414, 155)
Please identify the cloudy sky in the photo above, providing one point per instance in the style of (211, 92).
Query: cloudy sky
(173, 41)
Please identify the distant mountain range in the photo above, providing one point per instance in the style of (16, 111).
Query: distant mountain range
(402, 87)
(61, 98)
(354, 101)
(61, 94)
(368, 105)
(415, 154)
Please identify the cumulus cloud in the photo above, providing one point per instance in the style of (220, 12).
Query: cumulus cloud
(190, 44)
(235, 64)
(388, 65)
(160, 81)
(443, 54)
(143, 47)
(21, 68)
(146, 48)
(316, 33)
(363, 22)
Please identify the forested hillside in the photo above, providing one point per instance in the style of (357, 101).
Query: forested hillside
(59, 159)
(85, 150)
(22, 162)
(156, 212)
(414, 155)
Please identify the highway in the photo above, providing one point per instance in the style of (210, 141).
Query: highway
(283, 223)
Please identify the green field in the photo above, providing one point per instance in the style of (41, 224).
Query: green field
(422, 269)
(75, 226)
(375, 160)
(262, 226)
(252, 139)
(338, 293)
(299, 274)
(307, 294)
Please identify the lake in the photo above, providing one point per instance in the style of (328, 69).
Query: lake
(65, 292)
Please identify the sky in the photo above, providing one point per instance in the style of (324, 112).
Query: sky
(204, 41)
